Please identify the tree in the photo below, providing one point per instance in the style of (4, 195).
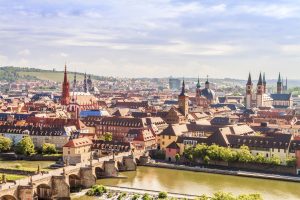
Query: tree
(25, 146)
(49, 148)
(274, 160)
(213, 152)
(244, 154)
(5, 144)
(107, 136)
(177, 157)
(259, 158)
(291, 161)
(206, 160)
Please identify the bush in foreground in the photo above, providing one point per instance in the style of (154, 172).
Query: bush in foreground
(96, 190)
(162, 195)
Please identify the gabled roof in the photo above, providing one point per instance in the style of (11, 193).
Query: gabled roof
(174, 130)
(173, 145)
(79, 142)
(281, 97)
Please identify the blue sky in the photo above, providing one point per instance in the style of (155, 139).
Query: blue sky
(153, 38)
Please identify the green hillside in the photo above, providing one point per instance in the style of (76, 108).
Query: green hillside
(12, 74)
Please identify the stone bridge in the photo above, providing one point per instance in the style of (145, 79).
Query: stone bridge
(58, 184)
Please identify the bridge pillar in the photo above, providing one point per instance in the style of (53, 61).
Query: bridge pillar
(25, 192)
(143, 160)
(88, 179)
(110, 168)
(60, 188)
(129, 162)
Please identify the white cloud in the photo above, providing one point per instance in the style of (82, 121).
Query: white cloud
(279, 11)
(62, 54)
(292, 49)
(24, 52)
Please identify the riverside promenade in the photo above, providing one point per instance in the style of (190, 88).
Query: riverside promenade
(225, 172)
(120, 189)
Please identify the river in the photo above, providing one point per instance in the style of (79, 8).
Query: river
(198, 183)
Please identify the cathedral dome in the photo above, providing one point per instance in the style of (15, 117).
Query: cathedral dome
(208, 93)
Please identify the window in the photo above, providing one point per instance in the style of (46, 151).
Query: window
(169, 137)
(68, 152)
(163, 143)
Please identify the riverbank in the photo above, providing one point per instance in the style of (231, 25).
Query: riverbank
(225, 172)
(199, 183)
(130, 192)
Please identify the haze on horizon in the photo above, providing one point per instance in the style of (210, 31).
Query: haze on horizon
(153, 38)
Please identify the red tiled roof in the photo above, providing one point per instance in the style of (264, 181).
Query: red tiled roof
(79, 142)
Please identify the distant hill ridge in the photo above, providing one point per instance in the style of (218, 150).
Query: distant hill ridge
(11, 74)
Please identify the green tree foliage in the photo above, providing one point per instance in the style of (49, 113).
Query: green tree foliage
(274, 160)
(162, 195)
(25, 146)
(260, 158)
(107, 136)
(244, 154)
(229, 196)
(146, 197)
(96, 190)
(177, 157)
(291, 161)
(217, 153)
(49, 148)
(5, 144)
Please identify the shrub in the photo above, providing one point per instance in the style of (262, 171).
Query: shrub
(97, 190)
(49, 148)
(146, 197)
(162, 195)
(135, 197)
(122, 195)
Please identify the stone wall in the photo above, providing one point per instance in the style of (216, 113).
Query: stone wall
(278, 169)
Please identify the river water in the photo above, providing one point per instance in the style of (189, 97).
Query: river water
(198, 183)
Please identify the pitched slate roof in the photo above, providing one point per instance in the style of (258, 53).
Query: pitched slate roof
(174, 130)
(281, 97)
(173, 145)
(280, 141)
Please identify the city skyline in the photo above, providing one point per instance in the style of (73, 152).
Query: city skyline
(153, 38)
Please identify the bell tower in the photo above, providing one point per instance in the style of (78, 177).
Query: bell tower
(198, 90)
(279, 84)
(65, 97)
(183, 101)
(249, 91)
(259, 92)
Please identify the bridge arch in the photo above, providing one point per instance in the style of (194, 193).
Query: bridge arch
(75, 183)
(99, 172)
(44, 192)
(8, 197)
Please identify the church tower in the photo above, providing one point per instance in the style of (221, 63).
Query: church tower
(265, 83)
(65, 96)
(74, 82)
(85, 86)
(198, 90)
(249, 90)
(183, 101)
(279, 84)
(259, 92)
